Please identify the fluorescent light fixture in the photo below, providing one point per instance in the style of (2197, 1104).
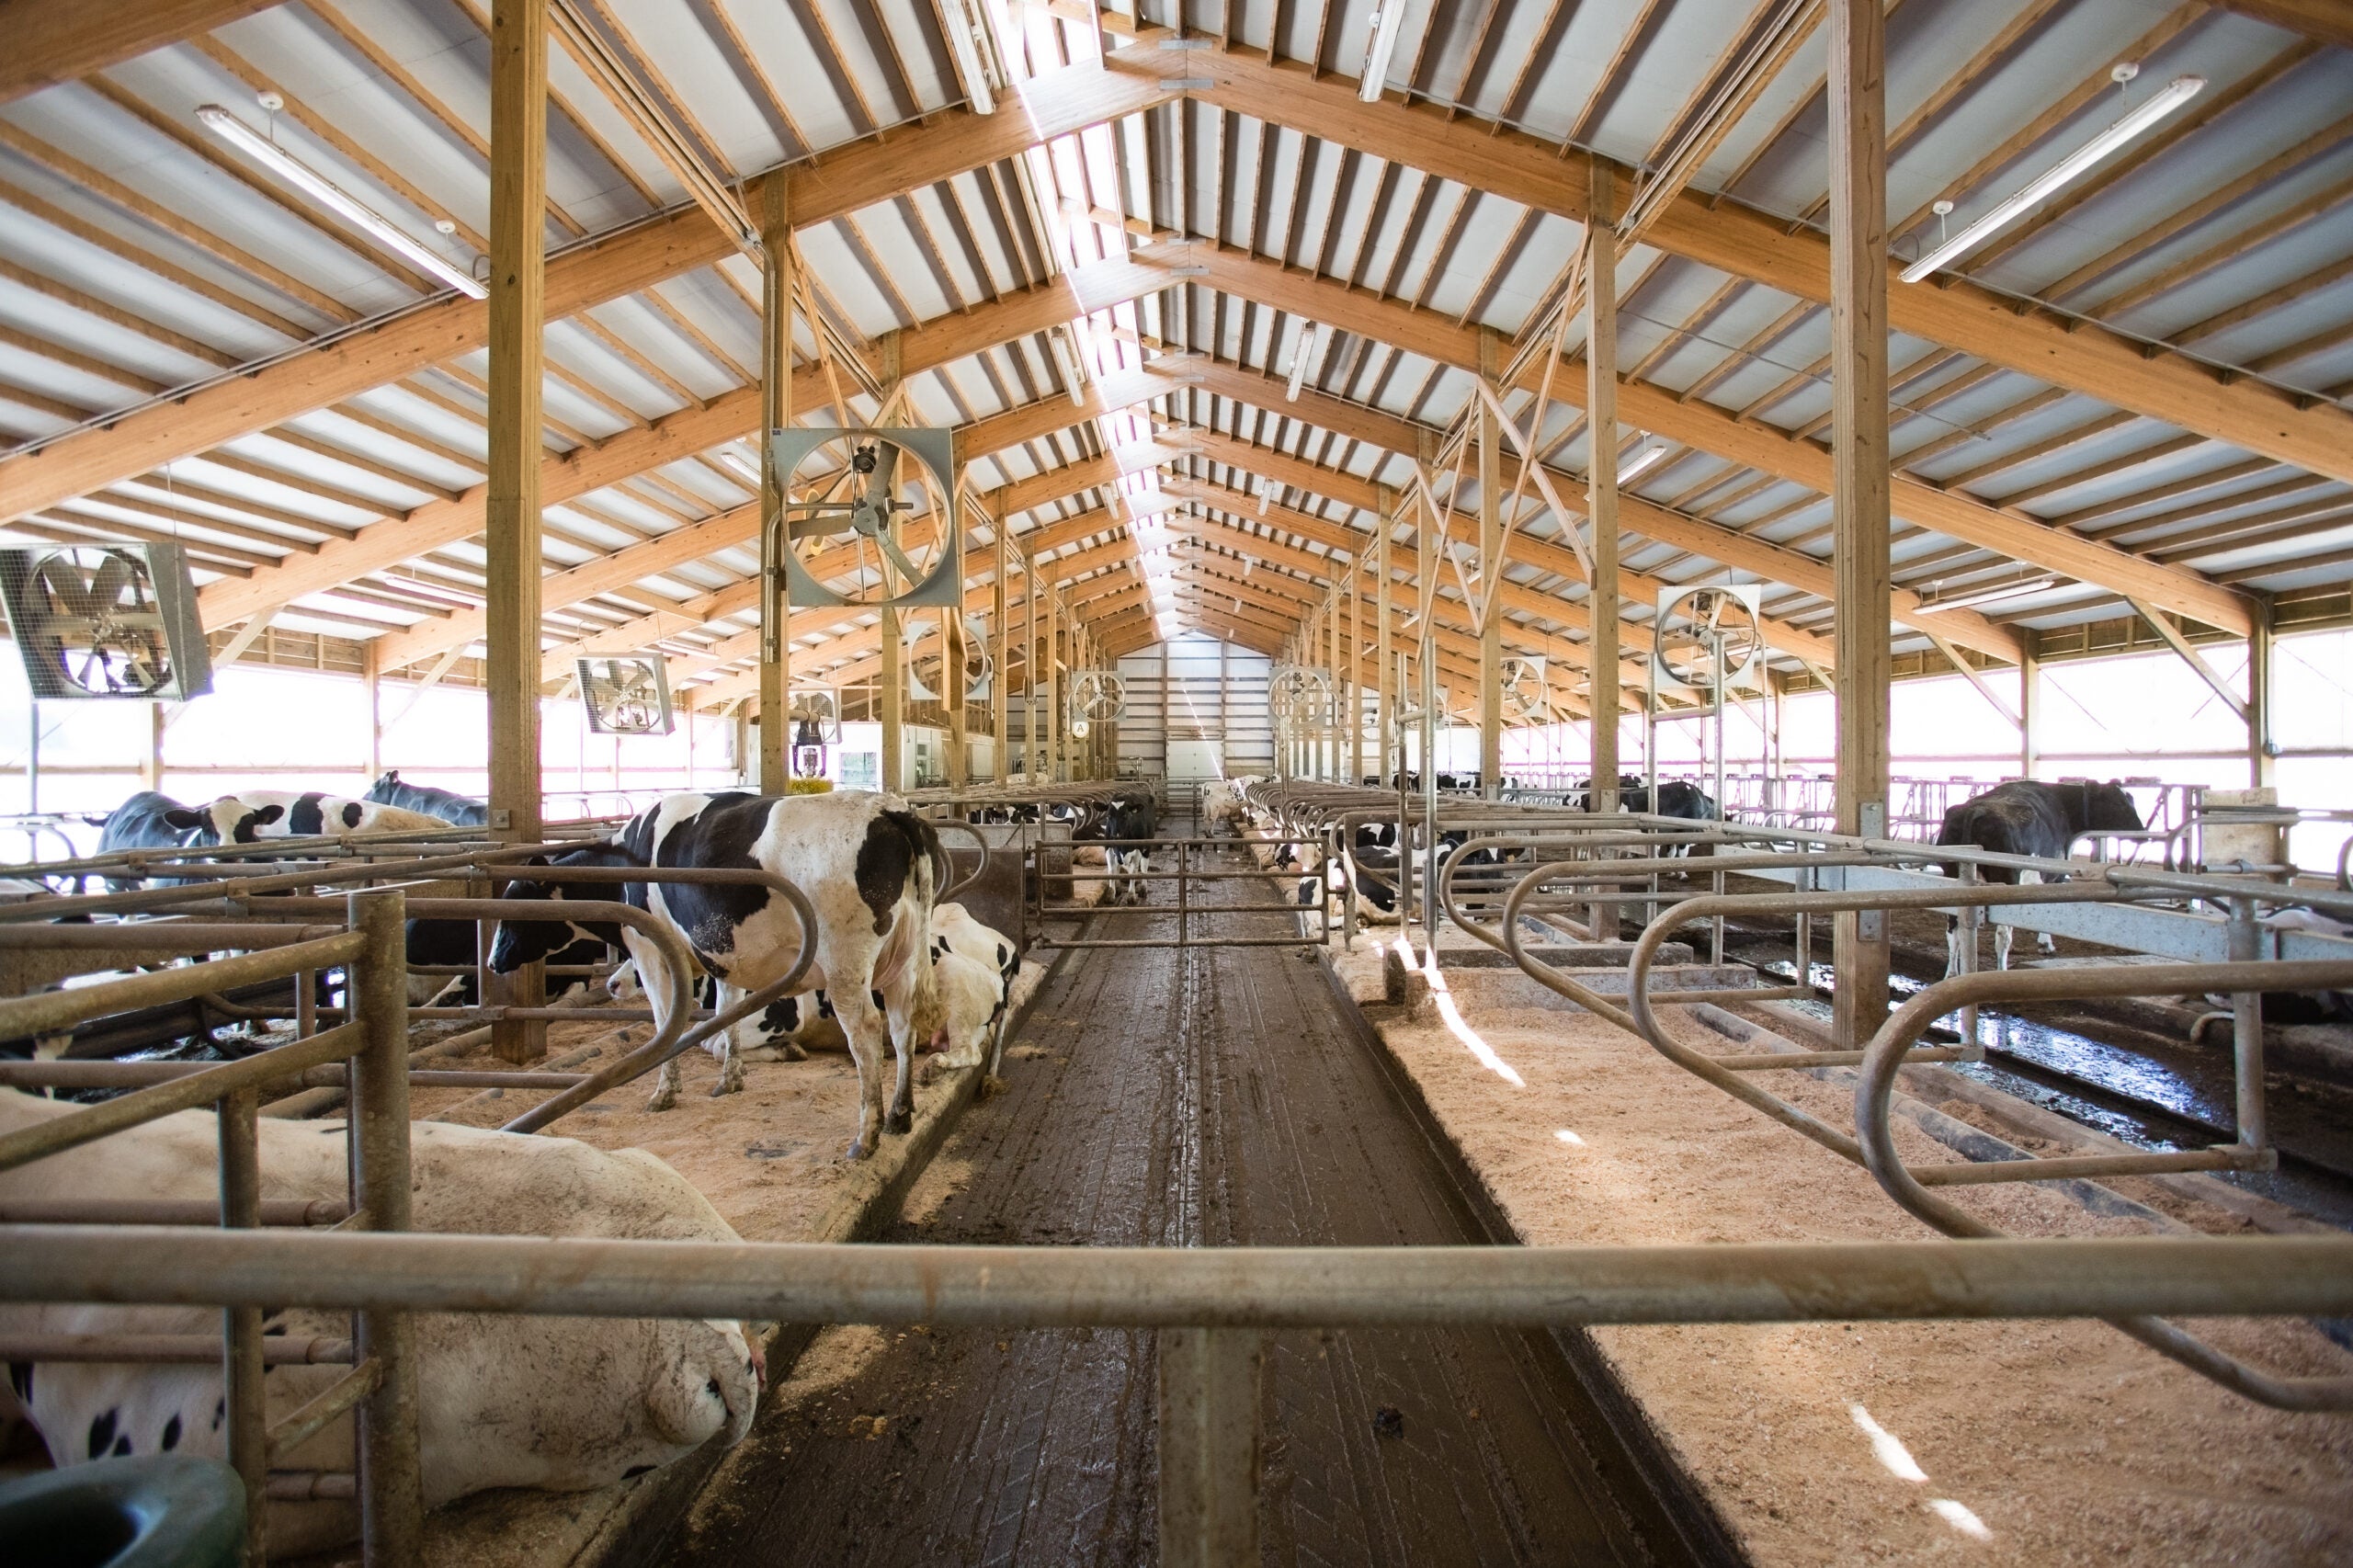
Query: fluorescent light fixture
(1300, 355)
(333, 197)
(1388, 22)
(1642, 461)
(737, 460)
(2063, 172)
(1969, 597)
(964, 42)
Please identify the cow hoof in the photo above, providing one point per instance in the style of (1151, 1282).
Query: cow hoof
(992, 1087)
(790, 1051)
(661, 1102)
(859, 1150)
(902, 1122)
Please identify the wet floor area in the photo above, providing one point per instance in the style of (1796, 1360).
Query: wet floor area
(1218, 1096)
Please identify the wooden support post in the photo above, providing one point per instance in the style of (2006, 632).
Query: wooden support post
(1354, 706)
(151, 768)
(518, 99)
(2029, 700)
(371, 676)
(952, 694)
(1332, 642)
(1055, 772)
(1385, 673)
(1001, 677)
(775, 413)
(1491, 578)
(1860, 479)
(1601, 490)
(1031, 718)
(2262, 750)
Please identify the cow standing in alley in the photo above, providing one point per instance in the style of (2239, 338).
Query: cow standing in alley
(2028, 817)
(870, 868)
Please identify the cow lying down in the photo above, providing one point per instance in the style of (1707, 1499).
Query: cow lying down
(558, 1404)
(974, 966)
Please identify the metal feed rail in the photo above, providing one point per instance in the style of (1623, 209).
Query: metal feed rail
(1210, 1306)
(1838, 875)
(380, 1388)
(1186, 874)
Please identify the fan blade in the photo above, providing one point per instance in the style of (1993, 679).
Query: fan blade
(113, 575)
(68, 587)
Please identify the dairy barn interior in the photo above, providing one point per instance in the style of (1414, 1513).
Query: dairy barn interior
(1203, 781)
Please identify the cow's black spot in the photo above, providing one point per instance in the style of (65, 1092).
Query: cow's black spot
(884, 863)
(171, 1434)
(351, 814)
(722, 834)
(306, 818)
(102, 1433)
(122, 1445)
(633, 1471)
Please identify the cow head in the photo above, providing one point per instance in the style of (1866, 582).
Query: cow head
(2108, 809)
(519, 942)
(226, 821)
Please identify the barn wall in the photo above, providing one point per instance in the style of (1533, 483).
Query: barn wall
(1196, 690)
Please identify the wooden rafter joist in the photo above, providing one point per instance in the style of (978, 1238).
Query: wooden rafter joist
(51, 42)
(1743, 242)
(947, 143)
(1694, 424)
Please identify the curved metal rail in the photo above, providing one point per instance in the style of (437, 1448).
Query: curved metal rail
(1890, 1049)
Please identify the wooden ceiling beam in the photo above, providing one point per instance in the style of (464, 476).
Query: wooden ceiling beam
(59, 40)
(848, 179)
(1734, 238)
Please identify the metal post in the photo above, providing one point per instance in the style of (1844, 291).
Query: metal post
(1183, 883)
(775, 413)
(1859, 485)
(244, 1394)
(519, 77)
(1208, 1446)
(1054, 773)
(392, 1502)
(2262, 751)
(2247, 1029)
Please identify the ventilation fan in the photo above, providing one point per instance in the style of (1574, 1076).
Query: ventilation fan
(1710, 638)
(924, 681)
(817, 705)
(886, 495)
(625, 693)
(105, 620)
(1524, 693)
(1298, 695)
(1097, 697)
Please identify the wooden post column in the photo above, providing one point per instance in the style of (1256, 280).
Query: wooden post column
(1385, 671)
(2029, 700)
(2262, 759)
(1491, 581)
(775, 413)
(1860, 479)
(519, 98)
(1601, 490)
(1001, 667)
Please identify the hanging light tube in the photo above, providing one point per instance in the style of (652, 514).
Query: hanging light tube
(1388, 22)
(966, 41)
(1971, 598)
(2063, 172)
(1644, 460)
(336, 200)
(1298, 358)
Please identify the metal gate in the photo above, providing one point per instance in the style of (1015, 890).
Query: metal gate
(1052, 867)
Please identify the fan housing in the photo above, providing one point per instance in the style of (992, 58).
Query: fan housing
(625, 693)
(106, 622)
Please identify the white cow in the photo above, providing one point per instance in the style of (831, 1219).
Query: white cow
(977, 967)
(1223, 808)
(559, 1404)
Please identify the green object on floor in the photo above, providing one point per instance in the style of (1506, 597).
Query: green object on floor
(168, 1511)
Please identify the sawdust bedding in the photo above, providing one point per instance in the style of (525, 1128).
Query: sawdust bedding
(2027, 1443)
(769, 1159)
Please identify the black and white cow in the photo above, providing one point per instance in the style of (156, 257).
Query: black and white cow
(460, 810)
(2026, 816)
(1129, 816)
(870, 868)
(257, 814)
(501, 1400)
(977, 968)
